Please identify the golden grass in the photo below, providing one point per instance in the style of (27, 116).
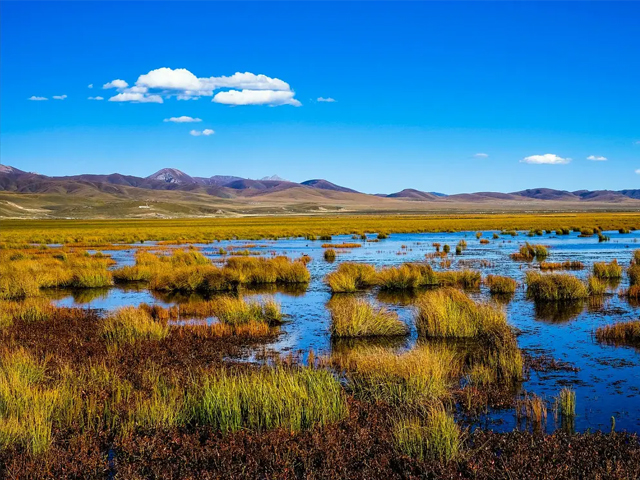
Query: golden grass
(622, 333)
(449, 313)
(419, 376)
(130, 324)
(501, 285)
(104, 232)
(353, 317)
(568, 265)
(555, 286)
(607, 270)
(529, 252)
(350, 277)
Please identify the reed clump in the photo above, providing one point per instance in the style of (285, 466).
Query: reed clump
(554, 286)
(130, 324)
(294, 399)
(529, 252)
(566, 403)
(353, 317)
(436, 437)
(350, 277)
(419, 376)
(568, 265)
(450, 313)
(633, 272)
(607, 270)
(341, 245)
(500, 285)
(620, 333)
(329, 255)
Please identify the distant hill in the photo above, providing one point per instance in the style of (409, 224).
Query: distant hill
(172, 192)
(326, 185)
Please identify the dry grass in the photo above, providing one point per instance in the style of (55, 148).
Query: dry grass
(130, 324)
(350, 277)
(501, 285)
(620, 333)
(555, 286)
(607, 270)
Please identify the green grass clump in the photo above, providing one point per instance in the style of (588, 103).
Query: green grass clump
(294, 399)
(620, 333)
(555, 286)
(352, 317)
(449, 313)
(566, 403)
(419, 376)
(501, 285)
(596, 286)
(607, 270)
(27, 406)
(350, 277)
(435, 438)
(130, 324)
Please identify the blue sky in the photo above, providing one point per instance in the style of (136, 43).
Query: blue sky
(420, 90)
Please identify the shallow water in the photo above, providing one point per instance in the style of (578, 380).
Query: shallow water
(607, 384)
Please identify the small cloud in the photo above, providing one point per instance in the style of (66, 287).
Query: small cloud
(327, 100)
(59, 97)
(117, 83)
(256, 97)
(136, 98)
(95, 98)
(37, 99)
(481, 155)
(546, 159)
(637, 142)
(596, 158)
(90, 85)
(638, 171)
(206, 132)
(182, 119)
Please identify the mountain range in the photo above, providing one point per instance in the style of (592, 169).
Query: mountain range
(181, 194)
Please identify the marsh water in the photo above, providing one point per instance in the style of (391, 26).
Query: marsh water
(606, 378)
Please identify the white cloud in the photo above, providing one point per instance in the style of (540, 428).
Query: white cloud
(327, 100)
(90, 85)
(136, 98)
(256, 97)
(117, 83)
(546, 159)
(37, 99)
(596, 158)
(95, 98)
(206, 132)
(182, 119)
(481, 155)
(245, 88)
(59, 97)
(638, 171)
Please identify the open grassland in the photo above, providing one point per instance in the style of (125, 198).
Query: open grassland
(99, 232)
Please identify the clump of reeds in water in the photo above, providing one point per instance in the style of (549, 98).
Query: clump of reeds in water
(406, 277)
(341, 245)
(529, 252)
(568, 265)
(130, 324)
(620, 333)
(500, 285)
(329, 255)
(555, 286)
(416, 377)
(450, 313)
(533, 409)
(259, 400)
(436, 436)
(607, 270)
(353, 317)
(566, 403)
(350, 277)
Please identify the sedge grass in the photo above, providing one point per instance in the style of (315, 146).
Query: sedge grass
(620, 333)
(555, 286)
(436, 437)
(607, 270)
(499, 285)
(353, 317)
(350, 277)
(130, 324)
(294, 399)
